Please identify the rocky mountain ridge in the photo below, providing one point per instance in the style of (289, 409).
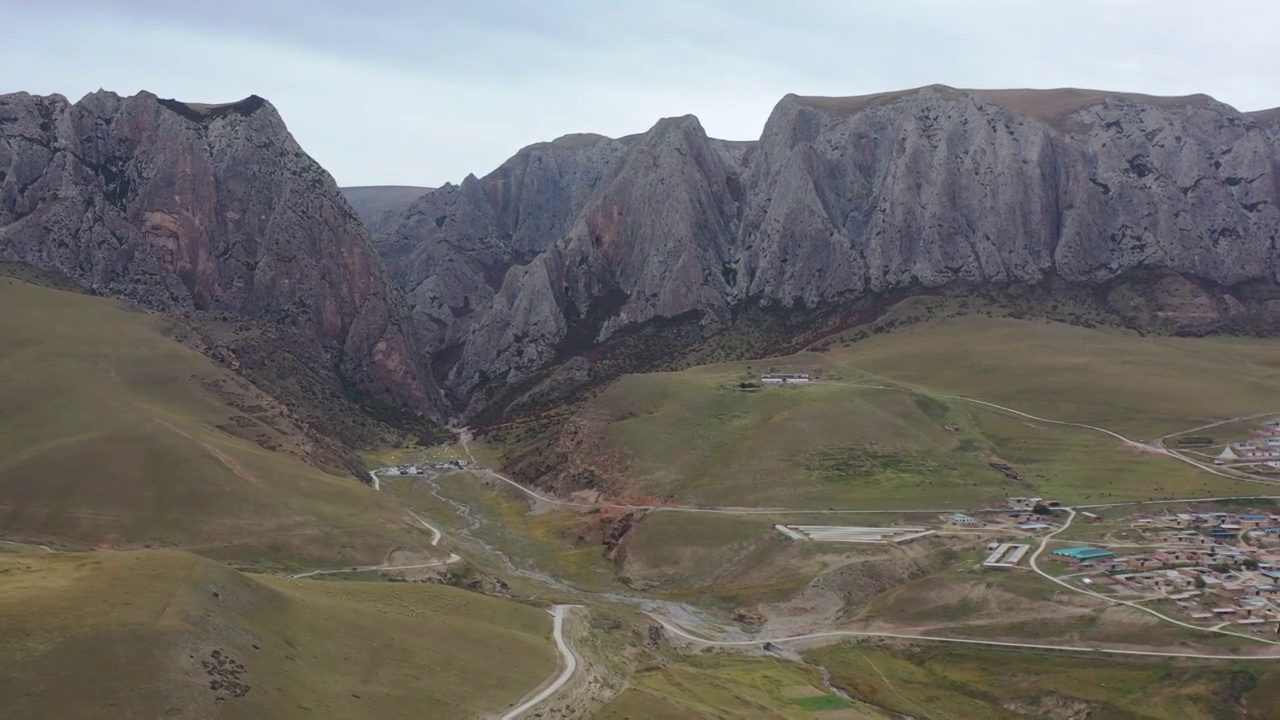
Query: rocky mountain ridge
(842, 198)
(207, 211)
(1166, 206)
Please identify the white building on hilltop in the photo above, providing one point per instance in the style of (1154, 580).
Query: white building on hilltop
(785, 378)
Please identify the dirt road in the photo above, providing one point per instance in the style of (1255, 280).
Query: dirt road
(680, 632)
(570, 666)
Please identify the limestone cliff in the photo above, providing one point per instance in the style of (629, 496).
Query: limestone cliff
(845, 197)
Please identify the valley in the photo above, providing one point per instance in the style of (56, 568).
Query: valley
(982, 422)
(720, 576)
(667, 568)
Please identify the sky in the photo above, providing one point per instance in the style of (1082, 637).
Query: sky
(423, 93)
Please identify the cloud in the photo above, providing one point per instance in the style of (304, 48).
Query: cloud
(426, 92)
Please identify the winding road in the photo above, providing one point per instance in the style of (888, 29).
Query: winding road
(436, 536)
(558, 613)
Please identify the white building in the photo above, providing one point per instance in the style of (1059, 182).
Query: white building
(1227, 455)
(785, 378)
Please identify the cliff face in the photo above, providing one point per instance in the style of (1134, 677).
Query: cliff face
(940, 185)
(204, 210)
(842, 197)
(451, 248)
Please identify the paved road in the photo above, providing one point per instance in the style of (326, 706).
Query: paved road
(570, 665)
(680, 632)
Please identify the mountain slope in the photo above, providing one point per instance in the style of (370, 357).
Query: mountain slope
(168, 634)
(1165, 208)
(115, 435)
(207, 210)
(380, 206)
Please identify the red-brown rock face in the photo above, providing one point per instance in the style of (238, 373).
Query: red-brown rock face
(207, 210)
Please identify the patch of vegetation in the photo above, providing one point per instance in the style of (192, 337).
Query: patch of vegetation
(823, 702)
(856, 464)
(942, 682)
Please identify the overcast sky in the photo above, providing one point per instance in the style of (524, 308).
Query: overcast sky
(424, 92)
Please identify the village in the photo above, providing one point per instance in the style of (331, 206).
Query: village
(1216, 568)
(1261, 451)
(1208, 566)
(411, 470)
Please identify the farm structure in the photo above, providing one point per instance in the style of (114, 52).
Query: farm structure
(846, 534)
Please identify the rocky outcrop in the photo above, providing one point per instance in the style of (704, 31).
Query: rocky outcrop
(380, 207)
(842, 198)
(452, 248)
(654, 241)
(209, 211)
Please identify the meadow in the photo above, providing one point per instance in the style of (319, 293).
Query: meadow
(114, 435)
(167, 634)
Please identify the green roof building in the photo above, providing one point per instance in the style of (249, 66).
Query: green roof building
(1083, 554)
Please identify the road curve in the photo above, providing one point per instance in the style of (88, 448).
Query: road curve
(570, 666)
(680, 632)
(436, 535)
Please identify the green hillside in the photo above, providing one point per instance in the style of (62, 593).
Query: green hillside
(168, 634)
(114, 435)
(881, 430)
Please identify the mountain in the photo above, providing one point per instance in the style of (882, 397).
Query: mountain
(380, 206)
(207, 211)
(452, 247)
(1163, 207)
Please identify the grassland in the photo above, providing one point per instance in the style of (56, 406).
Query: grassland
(114, 435)
(696, 437)
(1139, 386)
(940, 682)
(169, 634)
(733, 686)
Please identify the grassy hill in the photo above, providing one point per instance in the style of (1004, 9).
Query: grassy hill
(114, 435)
(697, 436)
(168, 634)
(946, 682)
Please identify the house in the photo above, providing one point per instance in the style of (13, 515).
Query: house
(785, 378)
(961, 519)
(1078, 555)
(1227, 455)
